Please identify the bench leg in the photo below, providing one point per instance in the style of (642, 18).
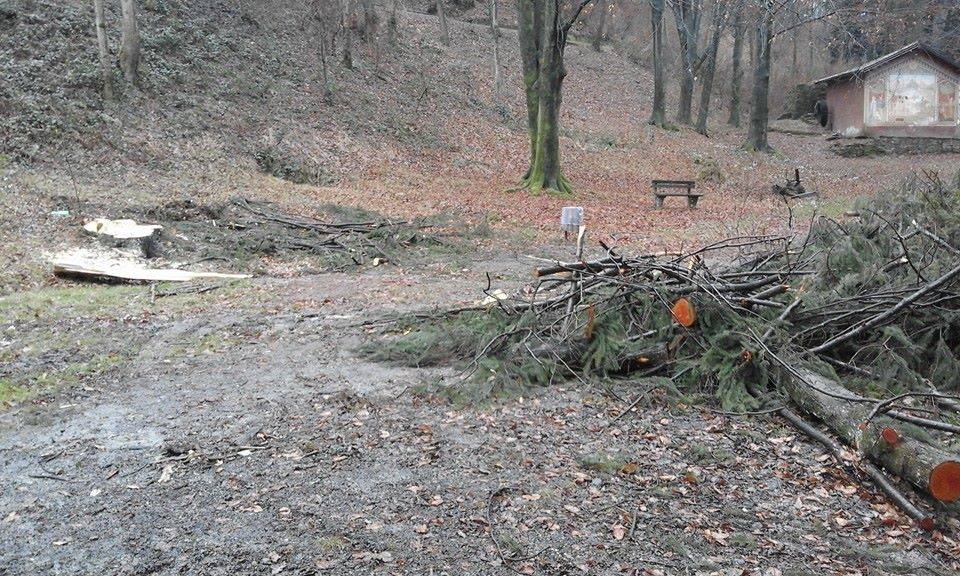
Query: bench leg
(692, 201)
(658, 201)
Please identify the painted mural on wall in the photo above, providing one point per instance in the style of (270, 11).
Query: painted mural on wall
(912, 94)
(948, 102)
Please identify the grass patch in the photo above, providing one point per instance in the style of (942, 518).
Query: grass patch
(333, 543)
(881, 557)
(70, 301)
(743, 540)
(14, 390)
(602, 462)
(705, 455)
(10, 393)
(89, 299)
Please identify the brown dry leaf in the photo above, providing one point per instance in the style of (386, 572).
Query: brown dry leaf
(848, 490)
(435, 500)
(716, 537)
(618, 531)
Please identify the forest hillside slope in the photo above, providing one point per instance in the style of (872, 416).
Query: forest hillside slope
(234, 89)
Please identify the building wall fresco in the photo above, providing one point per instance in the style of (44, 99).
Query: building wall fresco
(913, 96)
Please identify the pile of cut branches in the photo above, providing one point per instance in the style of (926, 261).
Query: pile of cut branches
(242, 226)
(856, 324)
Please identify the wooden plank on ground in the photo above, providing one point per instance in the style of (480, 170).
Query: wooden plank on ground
(100, 270)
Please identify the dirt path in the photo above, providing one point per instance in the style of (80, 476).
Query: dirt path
(251, 439)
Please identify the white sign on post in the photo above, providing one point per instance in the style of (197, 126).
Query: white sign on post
(571, 218)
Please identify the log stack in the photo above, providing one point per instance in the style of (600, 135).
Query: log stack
(855, 324)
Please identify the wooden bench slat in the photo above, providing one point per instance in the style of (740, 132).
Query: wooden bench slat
(663, 189)
(671, 183)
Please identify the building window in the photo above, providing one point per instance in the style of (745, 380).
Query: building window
(912, 97)
(947, 102)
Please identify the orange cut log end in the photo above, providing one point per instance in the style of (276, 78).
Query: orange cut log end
(591, 321)
(890, 436)
(684, 313)
(945, 481)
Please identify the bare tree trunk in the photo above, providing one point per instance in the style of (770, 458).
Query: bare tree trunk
(394, 24)
(345, 16)
(736, 79)
(543, 37)
(601, 7)
(444, 25)
(658, 116)
(325, 65)
(528, 24)
(760, 110)
(130, 43)
(706, 90)
(103, 49)
(495, 30)
(793, 67)
(687, 18)
(369, 21)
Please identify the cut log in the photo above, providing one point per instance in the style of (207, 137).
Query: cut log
(890, 436)
(684, 312)
(929, 468)
(923, 519)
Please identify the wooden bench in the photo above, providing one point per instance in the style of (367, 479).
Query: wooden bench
(664, 188)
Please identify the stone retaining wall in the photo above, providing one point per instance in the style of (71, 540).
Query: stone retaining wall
(885, 145)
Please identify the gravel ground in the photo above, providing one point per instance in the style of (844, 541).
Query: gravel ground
(241, 434)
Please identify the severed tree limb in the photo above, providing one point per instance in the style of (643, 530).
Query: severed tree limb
(931, 469)
(923, 519)
(924, 422)
(888, 313)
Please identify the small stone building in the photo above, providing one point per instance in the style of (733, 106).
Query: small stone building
(913, 92)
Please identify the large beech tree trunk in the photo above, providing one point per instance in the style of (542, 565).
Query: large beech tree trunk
(929, 468)
(658, 116)
(760, 104)
(103, 50)
(130, 42)
(543, 37)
